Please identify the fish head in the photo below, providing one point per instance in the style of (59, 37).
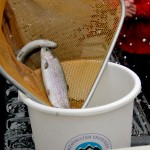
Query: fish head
(46, 53)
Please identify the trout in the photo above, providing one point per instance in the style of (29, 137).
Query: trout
(54, 79)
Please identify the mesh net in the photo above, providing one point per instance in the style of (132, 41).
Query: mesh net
(83, 30)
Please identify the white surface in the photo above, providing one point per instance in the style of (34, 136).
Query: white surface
(135, 148)
(109, 125)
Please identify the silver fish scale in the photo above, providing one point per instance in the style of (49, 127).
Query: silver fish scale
(54, 80)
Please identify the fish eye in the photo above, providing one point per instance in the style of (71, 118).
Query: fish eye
(47, 49)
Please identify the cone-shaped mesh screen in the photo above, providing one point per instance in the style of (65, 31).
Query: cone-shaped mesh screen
(83, 30)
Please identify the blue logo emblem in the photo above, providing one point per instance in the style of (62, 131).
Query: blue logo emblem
(89, 141)
(89, 146)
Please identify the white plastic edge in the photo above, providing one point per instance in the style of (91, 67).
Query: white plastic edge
(89, 111)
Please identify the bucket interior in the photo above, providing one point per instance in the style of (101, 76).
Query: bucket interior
(117, 83)
(117, 87)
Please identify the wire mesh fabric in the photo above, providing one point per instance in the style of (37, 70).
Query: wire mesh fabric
(83, 30)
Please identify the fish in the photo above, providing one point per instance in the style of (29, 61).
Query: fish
(54, 79)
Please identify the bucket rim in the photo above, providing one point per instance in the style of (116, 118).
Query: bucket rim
(93, 110)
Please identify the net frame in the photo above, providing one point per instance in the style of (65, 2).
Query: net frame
(10, 44)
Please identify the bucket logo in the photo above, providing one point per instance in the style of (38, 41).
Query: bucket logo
(89, 141)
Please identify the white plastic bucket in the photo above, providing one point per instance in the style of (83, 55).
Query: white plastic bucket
(105, 125)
